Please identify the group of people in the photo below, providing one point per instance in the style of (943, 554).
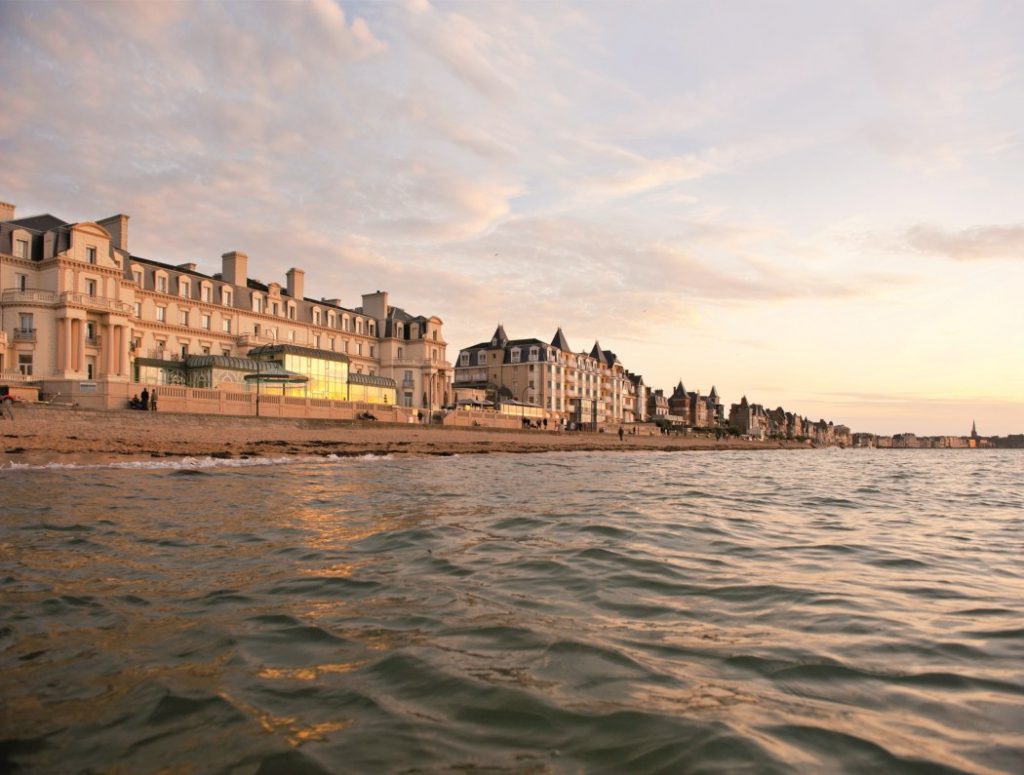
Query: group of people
(147, 402)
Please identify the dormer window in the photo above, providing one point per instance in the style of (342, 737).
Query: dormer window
(21, 248)
(533, 353)
(90, 254)
(316, 317)
(137, 276)
(515, 355)
(481, 358)
(291, 311)
(184, 288)
(464, 359)
(206, 292)
(331, 321)
(161, 283)
(257, 303)
(226, 296)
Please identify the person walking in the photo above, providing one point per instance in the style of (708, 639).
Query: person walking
(145, 399)
(152, 402)
(621, 433)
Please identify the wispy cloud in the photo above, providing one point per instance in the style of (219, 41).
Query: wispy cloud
(973, 244)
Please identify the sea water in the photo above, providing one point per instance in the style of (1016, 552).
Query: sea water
(813, 611)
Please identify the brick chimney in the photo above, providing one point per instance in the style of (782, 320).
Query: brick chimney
(117, 225)
(296, 282)
(235, 268)
(6, 211)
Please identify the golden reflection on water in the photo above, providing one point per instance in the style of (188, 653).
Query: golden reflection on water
(288, 727)
(311, 673)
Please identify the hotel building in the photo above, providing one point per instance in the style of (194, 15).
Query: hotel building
(586, 388)
(82, 316)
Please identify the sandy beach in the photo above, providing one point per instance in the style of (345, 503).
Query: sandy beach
(41, 433)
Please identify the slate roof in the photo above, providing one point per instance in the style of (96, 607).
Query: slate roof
(559, 341)
(45, 222)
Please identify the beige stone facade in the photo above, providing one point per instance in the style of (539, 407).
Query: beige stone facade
(589, 388)
(83, 317)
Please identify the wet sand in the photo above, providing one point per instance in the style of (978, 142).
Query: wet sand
(43, 433)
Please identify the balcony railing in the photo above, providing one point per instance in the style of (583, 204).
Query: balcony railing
(253, 340)
(24, 335)
(16, 296)
(92, 341)
(97, 302)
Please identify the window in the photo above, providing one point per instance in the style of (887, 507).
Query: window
(533, 353)
(226, 297)
(184, 288)
(226, 325)
(137, 277)
(400, 353)
(316, 317)
(373, 351)
(184, 317)
(408, 378)
(274, 308)
(256, 329)
(204, 293)
(481, 358)
(90, 254)
(184, 351)
(464, 359)
(138, 309)
(291, 335)
(161, 284)
(515, 355)
(21, 248)
(331, 319)
(435, 335)
(21, 281)
(257, 303)
(26, 324)
(316, 341)
(359, 325)
(90, 287)
(161, 314)
(359, 348)
(331, 341)
(25, 364)
(205, 320)
(291, 312)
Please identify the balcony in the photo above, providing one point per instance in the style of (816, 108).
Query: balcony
(24, 335)
(92, 341)
(15, 296)
(254, 340)
(97, 302)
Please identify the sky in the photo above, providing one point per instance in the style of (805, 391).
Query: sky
(816, 205)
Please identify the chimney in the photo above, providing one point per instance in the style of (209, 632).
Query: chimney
(191, 267)
(235, 268)
(334, 302)
(375, 305)
(296, 282)
(6, 212)
(117, 225)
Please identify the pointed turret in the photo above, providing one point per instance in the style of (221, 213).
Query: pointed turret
(500, 338)
(597, 353)
(560, 341)
(713, 395)
(974, 429)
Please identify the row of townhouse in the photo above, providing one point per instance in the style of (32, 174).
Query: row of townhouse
(82, 316)
(587, 388)
(694, 410)
(750, 419)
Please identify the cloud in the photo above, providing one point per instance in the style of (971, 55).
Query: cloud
(974, 244)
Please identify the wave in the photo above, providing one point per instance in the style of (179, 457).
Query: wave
(186, 465)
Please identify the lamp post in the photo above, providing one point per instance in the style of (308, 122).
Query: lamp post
(258, 380)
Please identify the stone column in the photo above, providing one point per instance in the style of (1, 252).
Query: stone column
(123, 369)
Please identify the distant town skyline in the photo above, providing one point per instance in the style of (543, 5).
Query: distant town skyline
(815, 206)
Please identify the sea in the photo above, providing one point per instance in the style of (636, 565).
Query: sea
(818, 611)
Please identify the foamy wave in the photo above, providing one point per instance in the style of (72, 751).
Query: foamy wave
(187, 463)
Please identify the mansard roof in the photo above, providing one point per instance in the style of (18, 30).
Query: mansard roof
(559, 341)
(44, 222)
